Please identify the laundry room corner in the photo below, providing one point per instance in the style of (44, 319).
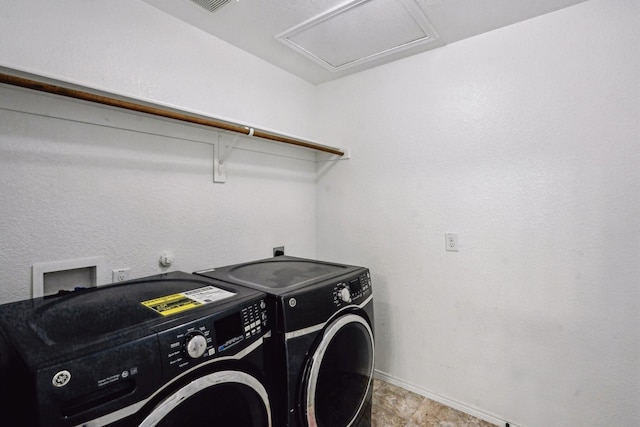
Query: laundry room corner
(523, 142)
(243, 184)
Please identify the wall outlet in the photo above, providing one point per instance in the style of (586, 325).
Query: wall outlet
(120, 275)
(451, 242)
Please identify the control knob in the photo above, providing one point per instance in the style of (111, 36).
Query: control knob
(344, 295)
(196, 345)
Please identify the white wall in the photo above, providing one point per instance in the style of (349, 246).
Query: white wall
(132, 48)
(72, 189)
(525, 142)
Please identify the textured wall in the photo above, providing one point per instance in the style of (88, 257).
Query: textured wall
(131, 48)
(72, 189)
(525, 142)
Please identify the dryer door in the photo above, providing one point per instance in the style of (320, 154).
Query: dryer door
(340, 373)
(225, 398)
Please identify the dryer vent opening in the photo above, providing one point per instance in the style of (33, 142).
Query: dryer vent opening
(211, 5)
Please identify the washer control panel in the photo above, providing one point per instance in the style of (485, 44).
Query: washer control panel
(184, 345)
(254, 318)
(353, 291)
(197, 341)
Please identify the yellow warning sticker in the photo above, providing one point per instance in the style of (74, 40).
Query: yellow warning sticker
(171, 304)
(177, 303)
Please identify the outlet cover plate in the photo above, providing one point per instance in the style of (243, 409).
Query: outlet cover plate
(451, 242)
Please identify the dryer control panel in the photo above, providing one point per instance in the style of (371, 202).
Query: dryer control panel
(312, 305)
(207, 337)
(352, 291)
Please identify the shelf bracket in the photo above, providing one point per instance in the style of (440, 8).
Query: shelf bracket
(219, 168)
(221, 153)
(228, 149)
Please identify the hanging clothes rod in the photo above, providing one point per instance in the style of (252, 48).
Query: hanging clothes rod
(161, 112)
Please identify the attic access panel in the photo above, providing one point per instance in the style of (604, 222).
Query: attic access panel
(360, 31)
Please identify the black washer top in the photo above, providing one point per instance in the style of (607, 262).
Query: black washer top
(51, 327)
(279, 275)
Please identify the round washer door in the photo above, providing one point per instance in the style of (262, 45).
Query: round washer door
(225, 398)
(340, 373)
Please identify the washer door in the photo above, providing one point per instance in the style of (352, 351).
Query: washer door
(340, 373)
(225, 398)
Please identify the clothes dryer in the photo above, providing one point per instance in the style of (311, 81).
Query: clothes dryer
(169, 350)
(321, 353)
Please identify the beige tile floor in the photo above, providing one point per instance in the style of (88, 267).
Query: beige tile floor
(396, 407)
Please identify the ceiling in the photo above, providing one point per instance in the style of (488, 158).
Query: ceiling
(322, 40)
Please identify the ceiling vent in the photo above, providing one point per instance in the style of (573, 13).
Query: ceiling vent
(211, 5)
(360, 31)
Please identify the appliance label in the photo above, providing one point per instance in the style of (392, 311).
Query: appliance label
(177, 303)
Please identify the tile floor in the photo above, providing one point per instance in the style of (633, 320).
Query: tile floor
(396, 407)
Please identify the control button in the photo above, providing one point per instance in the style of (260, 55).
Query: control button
(344, 295)
(292, 302)
(262, 304)
(196, 346)
(61, 379)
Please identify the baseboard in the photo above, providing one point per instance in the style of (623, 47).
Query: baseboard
(475, 412)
